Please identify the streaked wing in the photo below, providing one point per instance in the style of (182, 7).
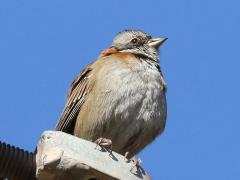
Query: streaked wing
(76, 97)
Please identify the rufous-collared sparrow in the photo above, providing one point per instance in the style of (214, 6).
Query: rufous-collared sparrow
(121, 96)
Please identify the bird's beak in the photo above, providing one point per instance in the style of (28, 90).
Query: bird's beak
(156, 42)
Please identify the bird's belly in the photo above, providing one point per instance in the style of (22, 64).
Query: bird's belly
(135, 112)
(129, 108)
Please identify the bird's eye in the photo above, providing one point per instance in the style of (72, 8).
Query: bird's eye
(134, 40)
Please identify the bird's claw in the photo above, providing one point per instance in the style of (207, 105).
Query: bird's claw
(136, 162)
(104, 143)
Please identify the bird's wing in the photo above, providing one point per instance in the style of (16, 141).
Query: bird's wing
(77, 94)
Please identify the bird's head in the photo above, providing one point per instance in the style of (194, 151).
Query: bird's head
(139, 43)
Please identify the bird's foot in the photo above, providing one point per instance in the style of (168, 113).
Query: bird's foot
(136, 162)
(104, 143)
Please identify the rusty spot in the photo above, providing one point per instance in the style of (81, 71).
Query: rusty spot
(124, 56)
(108, 52)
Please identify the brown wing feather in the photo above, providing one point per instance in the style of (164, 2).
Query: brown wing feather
(78, 92)
(75, 98)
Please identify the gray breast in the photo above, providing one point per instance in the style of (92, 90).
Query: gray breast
(138, 106)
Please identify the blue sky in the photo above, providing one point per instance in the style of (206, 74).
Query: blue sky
(44, 44)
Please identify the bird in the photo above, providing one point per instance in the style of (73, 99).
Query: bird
(120, 98)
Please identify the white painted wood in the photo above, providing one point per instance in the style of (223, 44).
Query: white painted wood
(63, 156)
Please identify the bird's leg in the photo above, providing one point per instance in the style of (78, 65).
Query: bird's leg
(105, 143)
(126, 155)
